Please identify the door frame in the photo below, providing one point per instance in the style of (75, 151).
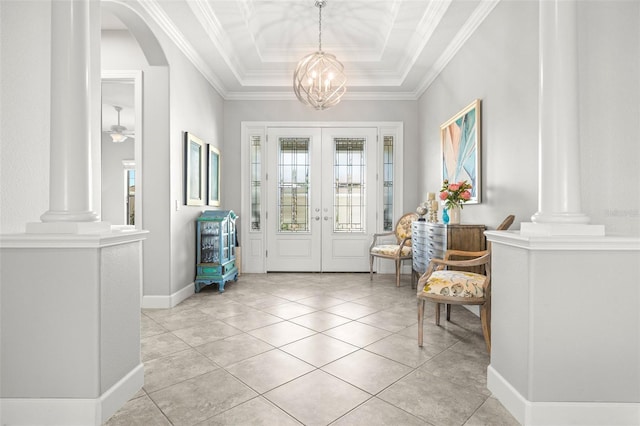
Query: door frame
(253, 243)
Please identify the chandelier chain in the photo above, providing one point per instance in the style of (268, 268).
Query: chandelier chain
(320, 4)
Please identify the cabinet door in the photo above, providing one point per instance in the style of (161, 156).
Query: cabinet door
(466, 237)
(209, 242)
(224, 245)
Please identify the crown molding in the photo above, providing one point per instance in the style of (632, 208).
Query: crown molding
(470, 26)
(166, 24)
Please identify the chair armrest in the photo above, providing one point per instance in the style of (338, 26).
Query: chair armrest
(477, 261)
(375, 238)
(463, 253)
(402, 244)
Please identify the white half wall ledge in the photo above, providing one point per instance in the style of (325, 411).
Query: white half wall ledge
(530, 413)
(72, 240)
(564, 242)
(560, 229)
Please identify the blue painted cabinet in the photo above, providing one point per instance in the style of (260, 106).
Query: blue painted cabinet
(216, 249)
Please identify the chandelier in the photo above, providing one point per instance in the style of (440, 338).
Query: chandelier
(319, 79)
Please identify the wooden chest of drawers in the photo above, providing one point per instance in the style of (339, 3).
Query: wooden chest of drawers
(429, 240)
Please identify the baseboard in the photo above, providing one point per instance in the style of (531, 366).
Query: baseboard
(169, 301)
(71, 411)
(507, 395)
(117, 395)
(560, 413)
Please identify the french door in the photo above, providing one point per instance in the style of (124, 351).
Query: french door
(321, 198)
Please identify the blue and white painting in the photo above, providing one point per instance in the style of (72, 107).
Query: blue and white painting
(460, 137)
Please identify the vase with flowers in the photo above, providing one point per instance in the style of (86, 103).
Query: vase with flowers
(454, 196)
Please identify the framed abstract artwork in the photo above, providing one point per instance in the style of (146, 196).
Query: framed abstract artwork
(214, 176)
(460, 142)
(195, 159)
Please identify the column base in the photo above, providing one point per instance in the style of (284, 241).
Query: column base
(67, 227)
(69, 216)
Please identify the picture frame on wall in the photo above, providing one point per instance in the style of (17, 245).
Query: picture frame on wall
(460, 140)
(195, 158)
(214, 176)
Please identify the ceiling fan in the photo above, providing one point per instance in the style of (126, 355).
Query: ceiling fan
(118, 132)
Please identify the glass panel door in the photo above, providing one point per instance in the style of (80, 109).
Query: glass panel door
(349, 194)
(293, 202)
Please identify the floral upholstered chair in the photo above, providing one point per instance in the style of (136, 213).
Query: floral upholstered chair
(459, 287)
(398, 251)
(449, 281)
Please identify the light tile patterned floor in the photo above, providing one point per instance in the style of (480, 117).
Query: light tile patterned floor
(312, 349)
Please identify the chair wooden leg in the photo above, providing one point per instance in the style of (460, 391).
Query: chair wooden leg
(485, 319)
(437, 314)
(420, 321)
(448, 311)
(398, 266)
(370, 268)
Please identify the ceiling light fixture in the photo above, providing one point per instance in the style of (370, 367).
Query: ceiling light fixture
(117, 131)
(319, 79)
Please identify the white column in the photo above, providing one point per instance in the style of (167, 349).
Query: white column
(559, 209)
(70, 177)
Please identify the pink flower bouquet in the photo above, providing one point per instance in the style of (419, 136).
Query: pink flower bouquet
(455, 194)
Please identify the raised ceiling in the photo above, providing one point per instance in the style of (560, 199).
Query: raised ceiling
(248, 49)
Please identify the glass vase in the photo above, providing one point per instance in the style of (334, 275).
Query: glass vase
(445, 216)
(454, 216)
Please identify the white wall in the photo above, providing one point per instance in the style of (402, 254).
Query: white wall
(609, 62)
(237, 111)
(499, 64)
(25, 85)
(193, 106)
(120, 51)
(197, 108)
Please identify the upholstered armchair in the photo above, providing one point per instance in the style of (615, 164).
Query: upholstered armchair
(398, 251)
(456, 286)
(449, 281)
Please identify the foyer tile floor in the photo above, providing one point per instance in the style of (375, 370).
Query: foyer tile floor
(312, 349)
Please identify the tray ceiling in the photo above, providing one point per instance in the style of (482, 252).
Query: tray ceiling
(248, 49)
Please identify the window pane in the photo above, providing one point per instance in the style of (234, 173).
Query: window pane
(349, 185)
(131, 197)
(387, 191)
(293, 185)
(256, 174)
